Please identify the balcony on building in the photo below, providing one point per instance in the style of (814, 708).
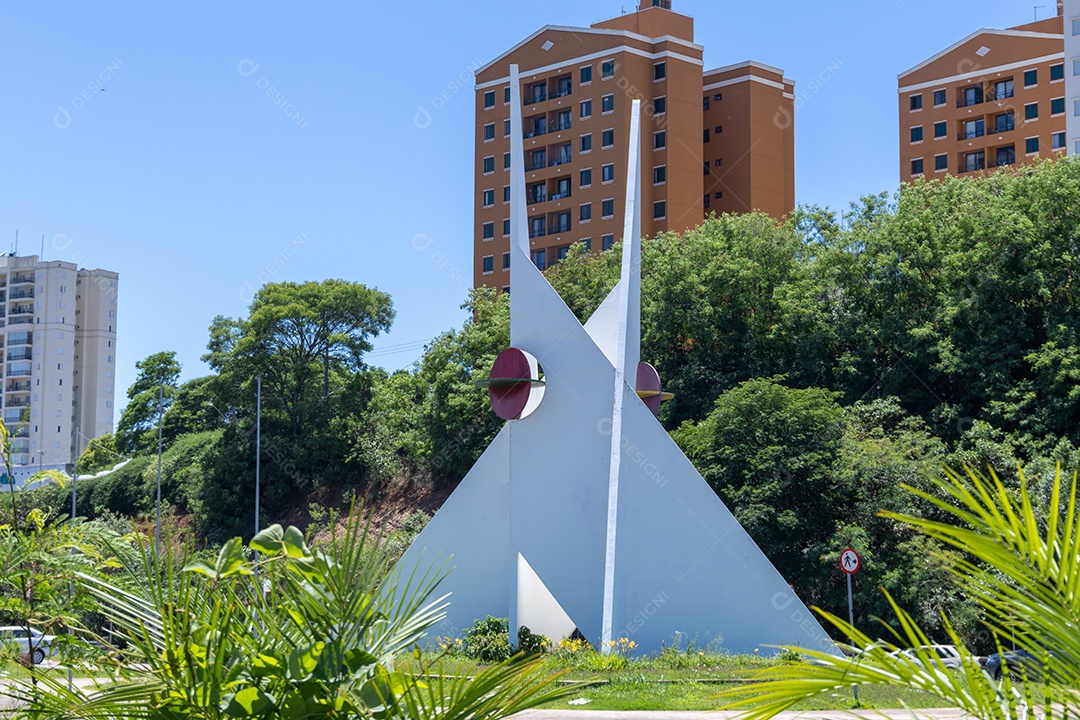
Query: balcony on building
(14, 415)
(18, 369)
(19, 401)
(21, 309)
(561, 154)
(22, 279)
(969, 96)
(536, 193)
(20, 353)
(536, 93)
(1004, 122)
(561, 120)
(559, 222)
(537, 160)
(972, 162)
(20, 338)
(537, 227)
(1000, 90)
(561, 86)
(560, 188)
(971, 129)
(22, 293)
(535, 126)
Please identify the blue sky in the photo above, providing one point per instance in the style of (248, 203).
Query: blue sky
(202, 148)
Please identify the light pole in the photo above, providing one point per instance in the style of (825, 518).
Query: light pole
(157, 521)
(258, 447)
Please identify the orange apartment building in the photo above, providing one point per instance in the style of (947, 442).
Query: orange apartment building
(996, 98)
(717, 141)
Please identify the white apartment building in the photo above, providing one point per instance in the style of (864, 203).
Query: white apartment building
(58, 336)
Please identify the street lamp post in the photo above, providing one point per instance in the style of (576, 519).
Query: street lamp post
(157, 521)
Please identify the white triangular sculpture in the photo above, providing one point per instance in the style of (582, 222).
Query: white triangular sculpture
(616, 524)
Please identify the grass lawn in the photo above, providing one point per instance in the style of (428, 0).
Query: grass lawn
(685, 681)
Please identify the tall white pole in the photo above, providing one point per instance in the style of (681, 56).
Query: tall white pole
(157, 520)
(258, 446)
(851, 619)
(631, 227)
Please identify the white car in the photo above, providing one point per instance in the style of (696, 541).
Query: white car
(948, 654)
(15, 636)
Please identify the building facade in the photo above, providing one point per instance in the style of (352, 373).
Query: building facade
(716, 141)
(58, 335)
(996, 98)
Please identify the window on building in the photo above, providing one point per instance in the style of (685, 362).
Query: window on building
(705, 103)
(659, 174)
(489, 230)
(506, 226)
(586, 108)
(917, 167)
(539, 258)
(659, 71)
(719, 194)
(718, 97)
(607, 173)
(506, 261)
(1031, 145)
(1057, 141)
(587, 242)
(560, 252)
(1076, 26)
(718, 129)
(506, 193)
(586, 74)
(659, 140)
(506, 161)
(916, 134)
(971, 96)
(607, 242)
(489, 164)
(1057, 106)
(718, 162)
(586, 142)
(940, 98)
(659, 209)
(659, 105)
(915, 102)
(1057, 72)
(488, 264)
(705, 202)
(506, 95)
(585, 213)
(1076, 108)
(1004, 122)
(489, 131)
(1031, 111)
(489, 198)
(705, 135)
(607, 138)
(1031, 77)
(706, 168)
(586, 177)
(607, 208)
(941, 129)
(489, 99)
(1003, 89)
(607, 69)
(607, 104)
(1076, 67)
(941, 162)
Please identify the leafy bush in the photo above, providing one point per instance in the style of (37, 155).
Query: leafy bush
(488, 640)
(532, 643)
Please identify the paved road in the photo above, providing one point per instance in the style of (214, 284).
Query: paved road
(897, 714)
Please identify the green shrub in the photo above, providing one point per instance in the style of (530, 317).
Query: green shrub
(488, 640)
(532, 643)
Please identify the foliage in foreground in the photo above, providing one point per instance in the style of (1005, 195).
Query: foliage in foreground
(300, 632)
(1020, 562)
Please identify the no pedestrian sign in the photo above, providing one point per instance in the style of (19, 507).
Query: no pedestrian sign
(849, 561)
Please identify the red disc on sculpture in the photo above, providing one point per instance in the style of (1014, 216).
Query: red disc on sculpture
(510, 384)
(648, 387)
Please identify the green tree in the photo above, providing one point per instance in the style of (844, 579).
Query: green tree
(297, 337)
(100, 454)
(148, 397)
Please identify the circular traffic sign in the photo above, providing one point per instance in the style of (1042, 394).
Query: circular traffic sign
(849, 561)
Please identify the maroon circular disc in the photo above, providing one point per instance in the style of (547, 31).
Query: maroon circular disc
(648, 384)
(510, 384)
